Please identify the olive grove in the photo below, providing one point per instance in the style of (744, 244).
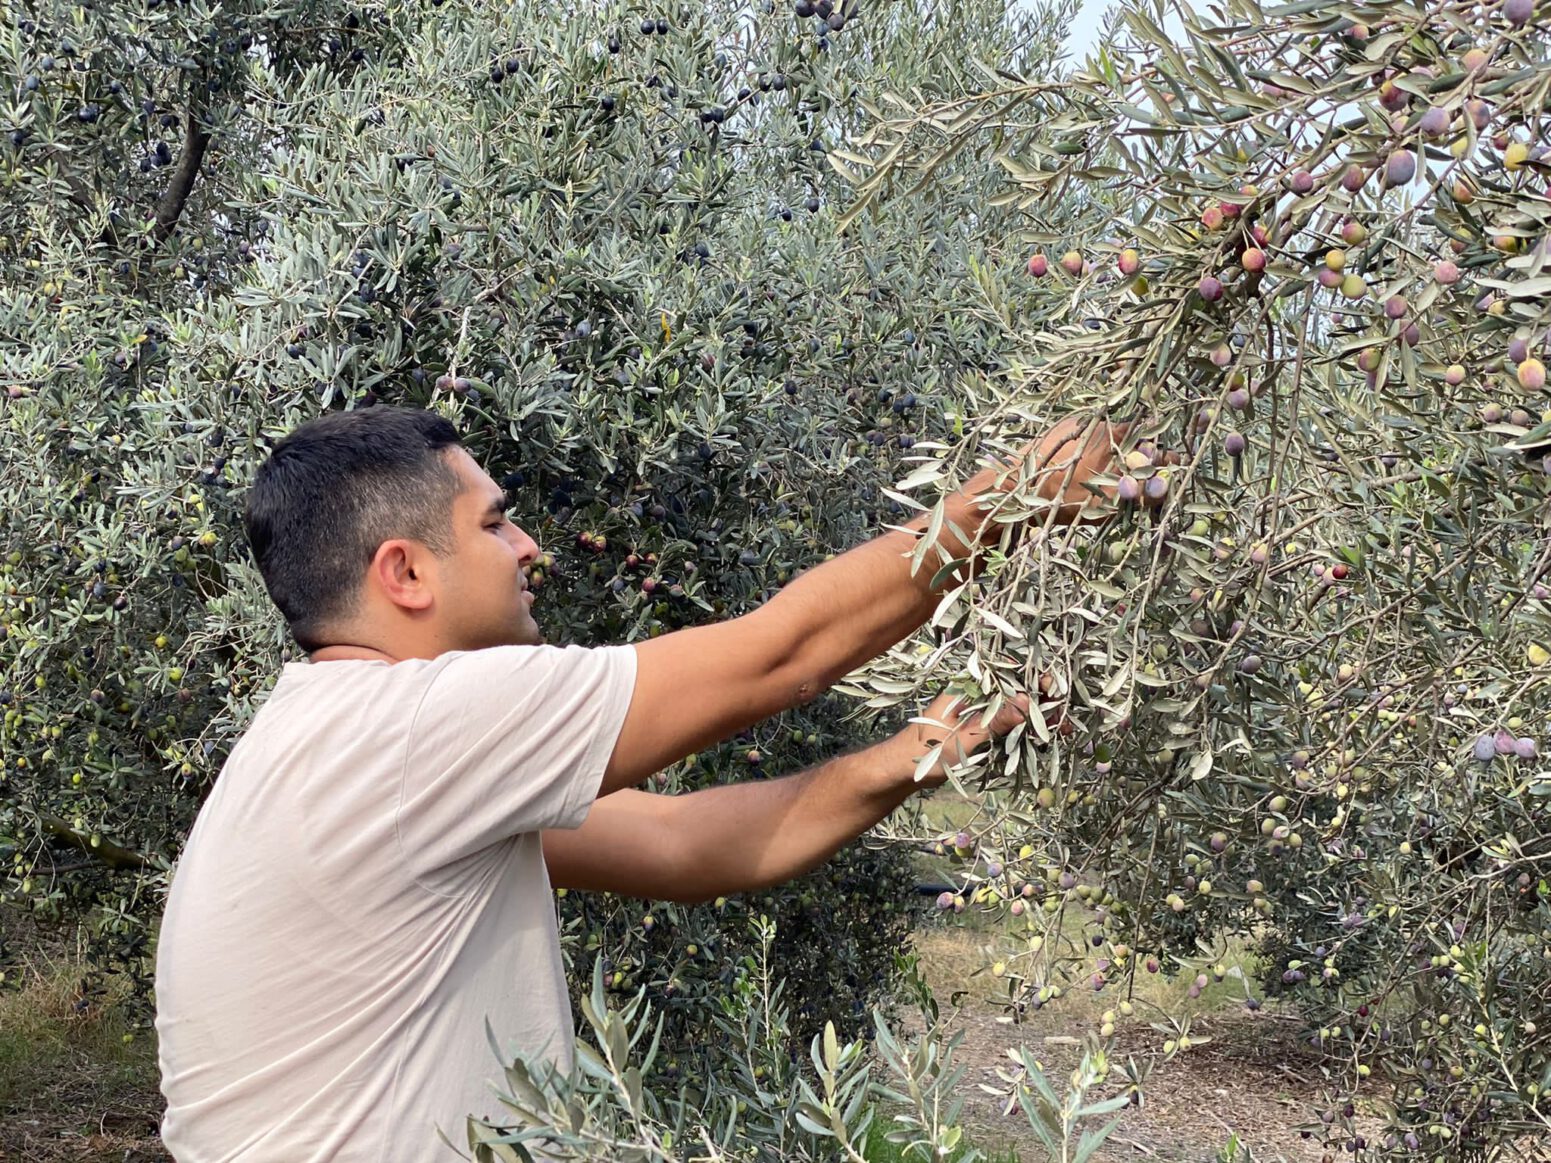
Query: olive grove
(604, 246)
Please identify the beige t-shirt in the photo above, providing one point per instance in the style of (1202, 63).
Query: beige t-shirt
(364, 889)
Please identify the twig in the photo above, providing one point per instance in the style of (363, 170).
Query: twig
(1142, 1147)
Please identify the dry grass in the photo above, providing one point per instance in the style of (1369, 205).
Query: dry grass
(956, 952)
(960, 959)
(76, 1082)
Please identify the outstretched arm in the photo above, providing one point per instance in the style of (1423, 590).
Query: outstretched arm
(703, 684)
(745, 836)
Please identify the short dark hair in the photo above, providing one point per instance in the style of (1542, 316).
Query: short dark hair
(331, 492)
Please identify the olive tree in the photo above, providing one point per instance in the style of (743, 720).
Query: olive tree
(1296, 687)
(601, 240)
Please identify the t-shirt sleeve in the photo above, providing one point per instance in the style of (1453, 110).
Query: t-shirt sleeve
(507, 740)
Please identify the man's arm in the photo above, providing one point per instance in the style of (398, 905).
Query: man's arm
(722, 840)
(745, 836)
(853, 608)
(700, 685)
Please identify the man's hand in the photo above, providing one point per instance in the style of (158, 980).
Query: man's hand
(960, 737)
(1065, 460)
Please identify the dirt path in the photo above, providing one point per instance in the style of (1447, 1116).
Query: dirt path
(1254, 1079)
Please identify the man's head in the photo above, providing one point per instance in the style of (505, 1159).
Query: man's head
(376, 528)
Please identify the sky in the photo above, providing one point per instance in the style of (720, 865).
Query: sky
(1085, 29)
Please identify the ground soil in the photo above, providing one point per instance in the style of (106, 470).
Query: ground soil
(89, 1101)
(1254, 1079)
(71, 1090)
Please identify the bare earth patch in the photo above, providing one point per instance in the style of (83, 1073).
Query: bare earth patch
(119, 1137)
(1254, 1078)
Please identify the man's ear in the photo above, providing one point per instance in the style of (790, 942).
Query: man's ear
(401, 571)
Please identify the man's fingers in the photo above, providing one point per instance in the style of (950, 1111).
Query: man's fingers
(965, 736)
(1093, 446)
(978, 728)
(1066, 429)
(1014, 712)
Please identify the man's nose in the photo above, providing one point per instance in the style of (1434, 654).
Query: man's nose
(527, 548)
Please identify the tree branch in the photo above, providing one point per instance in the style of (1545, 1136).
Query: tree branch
(196, 139)
(106, 851)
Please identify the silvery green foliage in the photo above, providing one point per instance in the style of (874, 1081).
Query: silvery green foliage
(761, 1105)
(585, 243)
(1302, 695)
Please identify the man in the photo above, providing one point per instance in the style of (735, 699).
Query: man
(370, 880)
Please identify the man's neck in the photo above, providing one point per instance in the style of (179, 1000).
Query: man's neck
(346, 652)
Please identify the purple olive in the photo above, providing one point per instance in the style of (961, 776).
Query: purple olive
(1238, 400)
(1435, 122)
(1484, 749)
(1234, 444)
(1504, 742)
(1210, 288)
(1129, 489)
(1395, 306)
(945, 900)
(1302, 182)
(1156, 488)
(1518, 12)
(1250, 664)
(1525, 748)
(1400, 168)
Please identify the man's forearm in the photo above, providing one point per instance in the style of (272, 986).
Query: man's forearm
(849, 610)
(747, 836)
(854, 607)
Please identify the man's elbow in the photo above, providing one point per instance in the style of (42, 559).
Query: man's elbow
(703, 890)
(801, 679)
(692, 889)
